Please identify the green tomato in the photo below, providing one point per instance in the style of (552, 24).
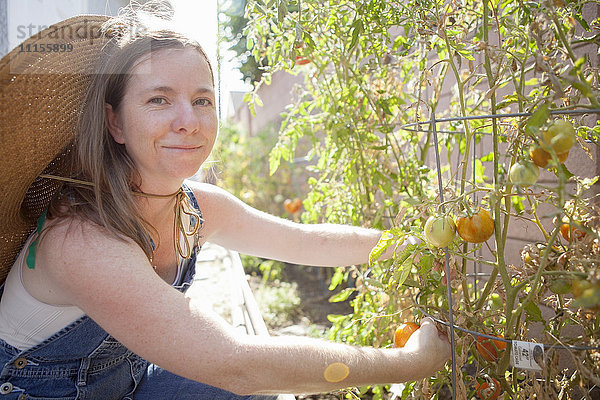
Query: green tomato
(560, 136)
(524, 173)
(496, 302)
(560, 286)
(439, 230)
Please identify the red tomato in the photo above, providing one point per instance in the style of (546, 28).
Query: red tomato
(490, 349)
(489, 390)
(404, 332)
(477, 228)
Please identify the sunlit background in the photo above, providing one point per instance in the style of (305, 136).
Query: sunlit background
(20, 19)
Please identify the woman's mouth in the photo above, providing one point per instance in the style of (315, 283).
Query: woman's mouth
(182, 147)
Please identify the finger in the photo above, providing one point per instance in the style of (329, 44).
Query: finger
(443, 334)
(425, 321)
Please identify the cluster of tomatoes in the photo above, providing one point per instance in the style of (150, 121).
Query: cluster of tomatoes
(558, 138)
(489, 349)
(474, 228)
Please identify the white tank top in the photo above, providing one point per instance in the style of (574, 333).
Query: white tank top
(24, 320)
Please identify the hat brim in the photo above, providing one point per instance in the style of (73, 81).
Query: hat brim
(43, 83)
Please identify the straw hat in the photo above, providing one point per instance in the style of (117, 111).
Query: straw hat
(42, 86)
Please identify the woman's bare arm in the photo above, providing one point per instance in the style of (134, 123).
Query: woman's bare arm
(233, 224)
(112, 281)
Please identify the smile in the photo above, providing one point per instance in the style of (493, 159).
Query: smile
(182, 148)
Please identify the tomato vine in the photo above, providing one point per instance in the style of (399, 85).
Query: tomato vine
(499, 75)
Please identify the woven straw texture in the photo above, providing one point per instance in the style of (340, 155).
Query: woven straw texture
(40, 97)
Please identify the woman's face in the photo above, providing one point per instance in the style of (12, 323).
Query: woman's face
(167, 119)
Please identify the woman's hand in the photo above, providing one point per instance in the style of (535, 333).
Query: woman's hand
(430, 348)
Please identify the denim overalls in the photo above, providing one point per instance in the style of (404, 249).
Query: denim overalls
(82, 361)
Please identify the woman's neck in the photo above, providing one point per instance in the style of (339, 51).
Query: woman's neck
(157, 207)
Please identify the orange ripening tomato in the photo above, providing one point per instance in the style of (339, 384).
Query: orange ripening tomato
(490, 349)
(571, 232)
(403, 332)
(489, 390)
(475, 229)
(541, 157)
(302, 60)
(292, 206)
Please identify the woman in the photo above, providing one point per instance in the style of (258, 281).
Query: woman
(91, 309)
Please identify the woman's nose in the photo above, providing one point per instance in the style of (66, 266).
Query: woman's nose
(185, 119)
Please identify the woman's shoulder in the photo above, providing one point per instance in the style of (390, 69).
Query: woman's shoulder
(74, 242)
(68, 249)
(203, 188)
(74, 229)
(210, 196)
(218, 206)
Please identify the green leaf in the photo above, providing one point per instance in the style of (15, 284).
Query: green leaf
(560, 286)
(479, 172)
(387, 238)
(426, 263)
(401, 273)
(282, 11)
(335, 318)
(341, 296)
(336, 279)
(374, 282)
(357, 29)
(517, 203)
(565, 171)
(582, 22)
(274, 159)
(533, 311)
(537, 119)
(488, 157)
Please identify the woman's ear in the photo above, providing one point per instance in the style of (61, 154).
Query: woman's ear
(114, 124)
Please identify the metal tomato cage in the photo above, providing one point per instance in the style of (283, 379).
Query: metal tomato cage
(433, 122)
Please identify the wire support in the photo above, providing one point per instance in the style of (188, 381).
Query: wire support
(496, 116)
(501, 339)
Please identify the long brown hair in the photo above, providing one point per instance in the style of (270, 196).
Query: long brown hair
(98, 159)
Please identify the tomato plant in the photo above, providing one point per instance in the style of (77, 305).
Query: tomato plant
(476, 228)
(439, 230)
(523, 87)
(404, 332)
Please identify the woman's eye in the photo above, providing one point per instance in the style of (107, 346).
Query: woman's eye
(157, 100)
(203, 102)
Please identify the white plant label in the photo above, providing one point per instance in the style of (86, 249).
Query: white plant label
(527, 355)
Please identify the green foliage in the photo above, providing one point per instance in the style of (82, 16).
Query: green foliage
(378, 73)
(241, 164)
(243, 169)
(279, 302)
(233, 24)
